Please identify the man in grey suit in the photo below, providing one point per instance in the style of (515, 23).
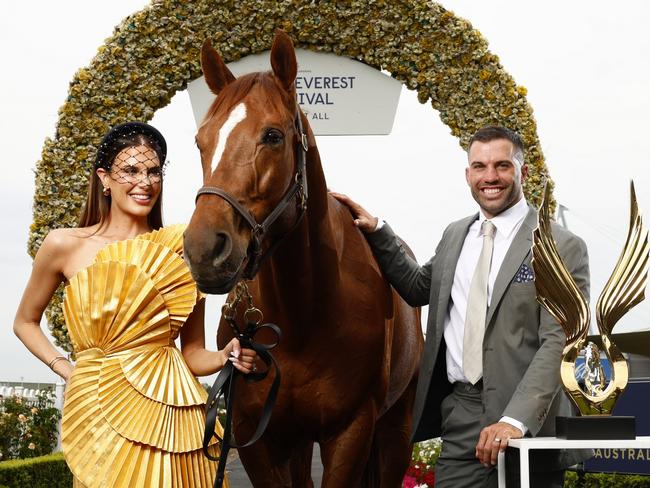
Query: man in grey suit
(490, 369)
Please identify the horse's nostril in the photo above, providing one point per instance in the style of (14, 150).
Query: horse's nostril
(222, 248)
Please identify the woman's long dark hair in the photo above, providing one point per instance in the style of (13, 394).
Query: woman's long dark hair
(98, 206)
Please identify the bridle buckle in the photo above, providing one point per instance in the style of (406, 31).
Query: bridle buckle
(304, 141)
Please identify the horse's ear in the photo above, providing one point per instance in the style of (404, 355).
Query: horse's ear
(217, 75)
(283, 59)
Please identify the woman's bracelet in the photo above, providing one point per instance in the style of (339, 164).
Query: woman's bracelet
(55, 360)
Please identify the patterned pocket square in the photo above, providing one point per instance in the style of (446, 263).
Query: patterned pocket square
(525, 274)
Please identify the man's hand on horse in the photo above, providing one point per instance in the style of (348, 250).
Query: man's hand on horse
(494, 438)
(362, 218)
(242, 359)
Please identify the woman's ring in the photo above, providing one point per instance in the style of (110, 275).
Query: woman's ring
(496, 439)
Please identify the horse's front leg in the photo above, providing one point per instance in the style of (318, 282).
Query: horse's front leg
(345, 455)
(267, 464)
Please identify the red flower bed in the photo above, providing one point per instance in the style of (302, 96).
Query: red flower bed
(419, 476)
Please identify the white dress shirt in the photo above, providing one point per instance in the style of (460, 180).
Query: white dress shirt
(507, 224)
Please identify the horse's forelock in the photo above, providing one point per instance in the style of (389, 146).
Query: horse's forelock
(270, 95)
(236, 91)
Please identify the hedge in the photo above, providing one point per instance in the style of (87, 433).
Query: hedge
(606, 480)
(49, 471)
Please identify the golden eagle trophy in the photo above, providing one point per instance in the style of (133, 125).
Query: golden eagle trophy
(559, 294)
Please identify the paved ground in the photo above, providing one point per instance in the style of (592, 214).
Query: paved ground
(238, 478)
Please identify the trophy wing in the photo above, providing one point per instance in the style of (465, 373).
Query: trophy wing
(557, 291)
(626, 285)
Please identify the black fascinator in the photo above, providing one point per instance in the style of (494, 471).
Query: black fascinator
(124, 135)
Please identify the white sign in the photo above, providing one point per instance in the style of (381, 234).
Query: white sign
(339, 96)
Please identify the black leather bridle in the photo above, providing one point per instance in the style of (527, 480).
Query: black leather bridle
(258, 231)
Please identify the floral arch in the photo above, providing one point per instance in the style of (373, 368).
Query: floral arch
(155, 52)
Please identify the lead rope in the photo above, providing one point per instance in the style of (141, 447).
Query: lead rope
(224, 385)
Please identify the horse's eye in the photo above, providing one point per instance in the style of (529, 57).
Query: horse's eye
(272, 137)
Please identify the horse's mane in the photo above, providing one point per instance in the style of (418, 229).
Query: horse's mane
(234, 92)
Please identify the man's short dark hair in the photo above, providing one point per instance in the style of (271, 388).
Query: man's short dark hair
(494, 132)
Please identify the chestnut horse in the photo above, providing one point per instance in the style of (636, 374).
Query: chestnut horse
(350, 346)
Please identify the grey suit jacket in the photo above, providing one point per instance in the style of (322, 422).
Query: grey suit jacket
(522, 345)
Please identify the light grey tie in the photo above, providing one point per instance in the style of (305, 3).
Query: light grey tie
(477, 308)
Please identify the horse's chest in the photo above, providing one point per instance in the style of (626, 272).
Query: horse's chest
(317, 394)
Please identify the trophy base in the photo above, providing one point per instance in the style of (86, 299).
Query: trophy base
(594, 427)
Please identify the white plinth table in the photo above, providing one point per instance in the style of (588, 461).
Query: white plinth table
(526, 444)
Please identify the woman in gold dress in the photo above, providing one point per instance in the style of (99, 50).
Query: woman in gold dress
(134, 411)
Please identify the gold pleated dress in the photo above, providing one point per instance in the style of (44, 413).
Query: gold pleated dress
(134, 413)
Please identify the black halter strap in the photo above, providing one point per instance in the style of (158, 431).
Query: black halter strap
(224, 386)
(258, 231)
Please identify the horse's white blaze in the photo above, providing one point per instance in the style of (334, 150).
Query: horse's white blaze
(236, 116)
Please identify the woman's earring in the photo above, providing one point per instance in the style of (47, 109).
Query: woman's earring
(106, 191)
